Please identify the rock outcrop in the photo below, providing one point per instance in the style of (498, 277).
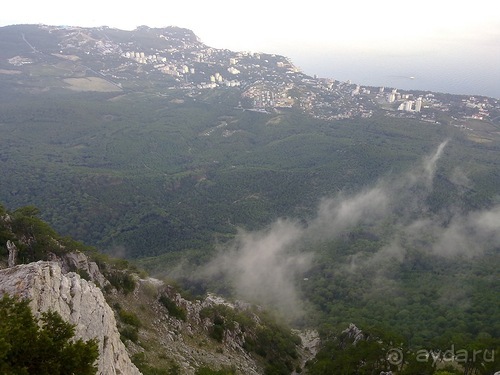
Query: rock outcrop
(78, 301)
(188, 342)
(12, 248)
(77, 261)
(310, 346)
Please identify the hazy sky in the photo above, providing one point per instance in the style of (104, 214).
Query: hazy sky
(294, 29)
(266, 25)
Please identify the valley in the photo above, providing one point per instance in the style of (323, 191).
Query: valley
(234, 173)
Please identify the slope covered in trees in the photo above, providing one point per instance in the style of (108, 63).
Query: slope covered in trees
(146, 176)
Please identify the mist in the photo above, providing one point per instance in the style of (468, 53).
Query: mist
(265, 266)
(262, 266)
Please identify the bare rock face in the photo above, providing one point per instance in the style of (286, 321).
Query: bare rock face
(354, 333)
(310, 346)
(79, 261)
(12, 248)
(78, 302)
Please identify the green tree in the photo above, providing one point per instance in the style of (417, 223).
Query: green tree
(42, 348)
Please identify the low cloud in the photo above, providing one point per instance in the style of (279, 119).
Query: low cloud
(469, 235)
(430, 163)
(264, 265)
(335, 215)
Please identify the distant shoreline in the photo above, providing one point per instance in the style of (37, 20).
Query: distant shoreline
(465, 77)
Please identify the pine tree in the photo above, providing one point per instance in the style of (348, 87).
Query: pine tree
(46, 347)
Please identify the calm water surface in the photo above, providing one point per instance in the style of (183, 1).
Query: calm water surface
(461, 72)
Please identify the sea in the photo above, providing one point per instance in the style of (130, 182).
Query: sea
(474, 73)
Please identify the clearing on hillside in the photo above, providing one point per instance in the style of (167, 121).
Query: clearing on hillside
(91, 84)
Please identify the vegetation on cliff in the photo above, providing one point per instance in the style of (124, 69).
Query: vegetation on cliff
(29, 346)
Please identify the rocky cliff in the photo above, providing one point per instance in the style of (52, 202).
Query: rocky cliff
(141, 324)
(188, 341)
(78, 301)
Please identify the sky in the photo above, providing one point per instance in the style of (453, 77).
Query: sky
(315, 34)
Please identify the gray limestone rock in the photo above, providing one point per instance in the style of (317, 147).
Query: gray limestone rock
(78, 301)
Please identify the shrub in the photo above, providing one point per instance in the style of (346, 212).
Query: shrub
(129, 333)
(172, 308)
(122, 281)
(128, 317)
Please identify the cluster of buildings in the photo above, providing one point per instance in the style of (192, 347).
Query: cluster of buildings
(477, 108)
(267, 81)
(19, 61)
(411, 105)
(406, 104)
(142, 58)
(263, 96)
(184, 68)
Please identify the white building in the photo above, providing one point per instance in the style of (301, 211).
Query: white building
(418, 105)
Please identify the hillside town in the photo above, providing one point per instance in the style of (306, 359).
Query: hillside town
(174, 58)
